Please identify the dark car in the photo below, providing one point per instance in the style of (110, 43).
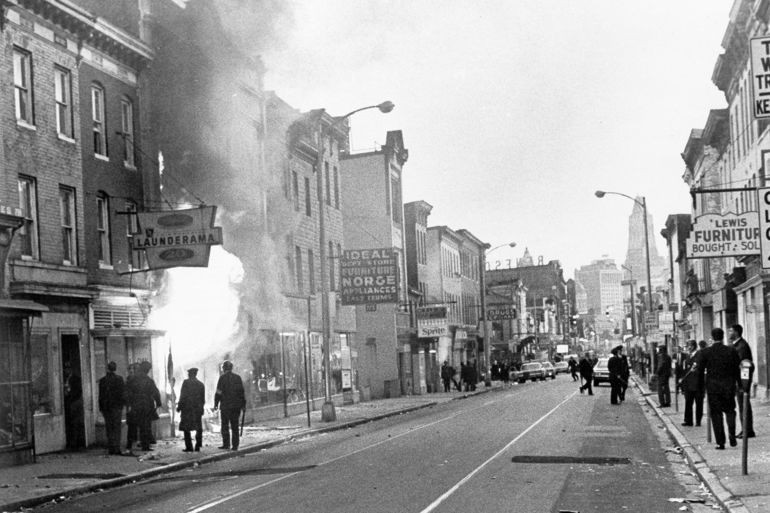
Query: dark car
(601, 372)
(532, 371)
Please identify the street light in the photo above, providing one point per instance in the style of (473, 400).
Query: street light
(483, 284)
(328, 413)
(643, 204)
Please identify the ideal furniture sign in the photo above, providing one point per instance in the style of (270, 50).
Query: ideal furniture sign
(369, 276)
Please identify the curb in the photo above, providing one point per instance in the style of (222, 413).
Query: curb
(695, 459)
(181, 465)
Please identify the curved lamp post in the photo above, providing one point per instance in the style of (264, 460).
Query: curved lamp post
(483, 286)
(643, 204)
(328, 413)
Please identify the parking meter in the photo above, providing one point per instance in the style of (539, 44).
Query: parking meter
(747, 370)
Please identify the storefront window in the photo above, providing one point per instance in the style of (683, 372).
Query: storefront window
(15, 384)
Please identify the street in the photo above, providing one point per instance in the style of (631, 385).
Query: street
(535, 447)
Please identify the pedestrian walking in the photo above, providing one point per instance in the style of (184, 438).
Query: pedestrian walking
(230, 399)
(625, 374)
(505, 374)
(691, 386)
(744, 353)
(447, 373)
(573, 368)
(112, 399)
(721, 366)
(190, 405)
(663, 371)
(586, 374)
(143, 399)
(615, 368)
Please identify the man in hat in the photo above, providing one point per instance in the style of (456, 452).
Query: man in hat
(190, 405)
(615, 368)
(232, 398)
(143, 399)
(112, 398)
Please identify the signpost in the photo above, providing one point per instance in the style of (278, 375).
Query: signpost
(760, 76)
(369, 276)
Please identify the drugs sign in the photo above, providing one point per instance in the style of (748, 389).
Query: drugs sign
(369, 276)
(501, 312)
(760, 76)
(715, 235)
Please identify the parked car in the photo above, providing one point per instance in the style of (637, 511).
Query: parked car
(550, 370)
(601, 372)
(561, 367)
(531, 370)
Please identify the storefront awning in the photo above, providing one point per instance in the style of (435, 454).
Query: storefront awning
(18, 306)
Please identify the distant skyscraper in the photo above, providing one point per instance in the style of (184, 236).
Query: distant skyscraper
(636, 259)
(601, 280)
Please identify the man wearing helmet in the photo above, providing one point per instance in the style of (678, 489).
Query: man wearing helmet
(230, 398)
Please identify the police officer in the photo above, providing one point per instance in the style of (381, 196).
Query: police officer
(191, 401)
(230, 399)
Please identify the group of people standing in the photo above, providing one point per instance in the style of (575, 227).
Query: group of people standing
(468, 377)
(714, 371)
(141, 398)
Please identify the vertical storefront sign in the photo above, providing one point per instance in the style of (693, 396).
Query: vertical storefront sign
(760, 77)
(763, 204)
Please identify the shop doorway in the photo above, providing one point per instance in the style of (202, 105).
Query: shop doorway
(74, 421)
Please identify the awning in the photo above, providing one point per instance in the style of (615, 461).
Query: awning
(21, 305)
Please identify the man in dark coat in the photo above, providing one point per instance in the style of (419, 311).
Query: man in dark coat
(230, 398)
(112, 398)
(721, 365)
(744, 353)
(663, 371)
(625, 374)
(190, 405)
(615, 368)
(586, 373)
(447, 372)
(143, 399)
(691, 385)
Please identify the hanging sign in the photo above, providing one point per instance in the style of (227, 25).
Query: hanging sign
(715, 235)
(432, 322)
(760, 76)
(177, 238)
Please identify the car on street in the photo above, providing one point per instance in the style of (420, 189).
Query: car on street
(550, 370)
(532, 370)
(561, 367)
(601, 372)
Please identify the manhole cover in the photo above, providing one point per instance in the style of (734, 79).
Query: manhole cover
(573, 460)
(81, 475)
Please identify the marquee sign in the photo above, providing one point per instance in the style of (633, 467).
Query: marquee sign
(177, 238)
(715, 235)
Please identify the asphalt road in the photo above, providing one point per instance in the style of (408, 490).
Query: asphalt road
(537, 447)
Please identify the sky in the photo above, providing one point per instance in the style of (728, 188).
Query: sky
(514, 112)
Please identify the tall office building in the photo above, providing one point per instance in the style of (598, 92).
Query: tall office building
(601, 280)
(636, 259)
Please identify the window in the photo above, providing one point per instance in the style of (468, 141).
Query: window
(97, 114)
(127, 124)
(28, 235)
(103, 228)
(298, 264)
(22, 83)
(336, 188)
(68, 231)
(311, 270)
(308, 210)
(42, 402)
(295, 189)
(137, 258)
(63, 97)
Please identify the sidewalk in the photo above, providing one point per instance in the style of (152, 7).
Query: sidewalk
(722, 470)
(59, 475)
